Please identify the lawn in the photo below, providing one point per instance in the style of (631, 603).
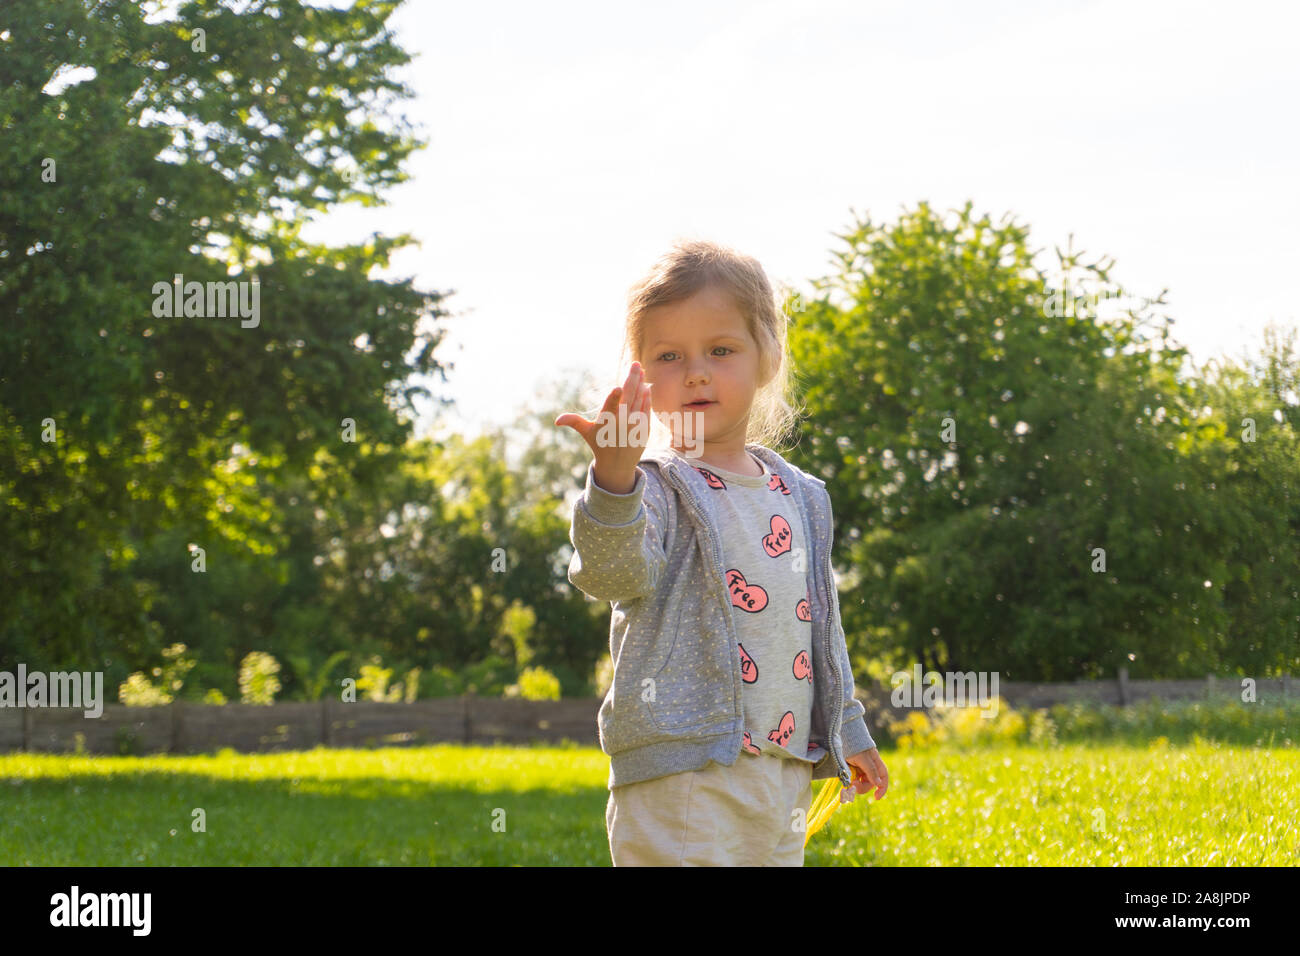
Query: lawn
(1198, 804)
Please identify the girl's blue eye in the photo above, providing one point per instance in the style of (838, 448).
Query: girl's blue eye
(724, 347)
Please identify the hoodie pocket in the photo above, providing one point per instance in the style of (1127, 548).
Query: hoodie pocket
(693, 689)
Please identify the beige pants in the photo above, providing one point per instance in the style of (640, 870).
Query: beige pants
(743, 815)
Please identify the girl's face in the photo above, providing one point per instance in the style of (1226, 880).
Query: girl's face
(700, 348)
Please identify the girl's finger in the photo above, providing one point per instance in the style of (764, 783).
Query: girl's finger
(576, 422)
(633, 380)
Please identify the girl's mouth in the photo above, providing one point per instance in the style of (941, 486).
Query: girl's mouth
(701, 404)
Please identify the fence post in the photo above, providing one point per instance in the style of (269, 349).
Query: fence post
(27, 729)
(1286, 687)
(1209, 686)
(325, 720)
(1123, 686)
(466, 716)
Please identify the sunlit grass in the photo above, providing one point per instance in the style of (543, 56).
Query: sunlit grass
(1078, 805)
(1011, 805)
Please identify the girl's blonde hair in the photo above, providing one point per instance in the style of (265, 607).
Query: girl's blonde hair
(691, 265)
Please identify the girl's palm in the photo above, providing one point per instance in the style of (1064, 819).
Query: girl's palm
(619, 457)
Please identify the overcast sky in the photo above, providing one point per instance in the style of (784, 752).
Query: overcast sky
(571, 142)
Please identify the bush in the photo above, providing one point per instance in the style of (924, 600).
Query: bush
(257, 681)
(603, 679)
(1225, 719)
(441, 682)
(960, 727)
(138, 691)
(535, 683)
(1147, 723)
(373, 683)
(126, 742)
(489, 677)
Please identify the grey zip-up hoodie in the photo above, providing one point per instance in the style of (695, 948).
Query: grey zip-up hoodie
(655, 554)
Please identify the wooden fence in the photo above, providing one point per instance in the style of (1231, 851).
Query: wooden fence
(205, 728)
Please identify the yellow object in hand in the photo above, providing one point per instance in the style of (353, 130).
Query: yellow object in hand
(825, 803)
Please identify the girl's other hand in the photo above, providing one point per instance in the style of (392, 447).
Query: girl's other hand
(869, 774)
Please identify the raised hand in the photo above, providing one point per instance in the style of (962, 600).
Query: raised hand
(616, 451)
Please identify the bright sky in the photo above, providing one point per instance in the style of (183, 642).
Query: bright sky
(571, 142)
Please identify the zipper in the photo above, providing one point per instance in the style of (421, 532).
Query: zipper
(698, 508)
(837, 721)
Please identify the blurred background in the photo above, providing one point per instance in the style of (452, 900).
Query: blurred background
(985, 221)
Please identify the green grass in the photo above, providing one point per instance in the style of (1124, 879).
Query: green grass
(1205, 804)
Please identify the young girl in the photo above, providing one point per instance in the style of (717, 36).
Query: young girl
(732, 688)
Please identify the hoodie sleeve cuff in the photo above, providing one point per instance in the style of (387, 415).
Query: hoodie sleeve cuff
(854, 737)
(609, 508)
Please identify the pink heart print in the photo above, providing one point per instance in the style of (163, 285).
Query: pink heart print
(776, 484)
(802, 667)
(747, 597)
(781, 736)
(748, 669)
(749, 744)
(778, 541)
(712, 480)
(803, 611)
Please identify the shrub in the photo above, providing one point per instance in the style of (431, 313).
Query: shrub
(257, 681)
(604, 676)
(138, 691)
(441, 681)
(535, 683)
(489, 677)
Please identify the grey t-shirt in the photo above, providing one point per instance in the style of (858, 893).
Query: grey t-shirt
(761, 538)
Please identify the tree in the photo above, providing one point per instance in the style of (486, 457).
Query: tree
(982, 439)
(200, 147)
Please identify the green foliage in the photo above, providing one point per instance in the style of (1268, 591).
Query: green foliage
(1225, 719)
(126, 742)
(139, 691)
(488, 677)
(980, 448)
(373, 682)
(441, 681)
(535, 683)
(314, 686)
(518, 625)
(603, 678)
(994, 725)
(1151, 722)
(257, 681)
(127, 444)
(123, 435)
